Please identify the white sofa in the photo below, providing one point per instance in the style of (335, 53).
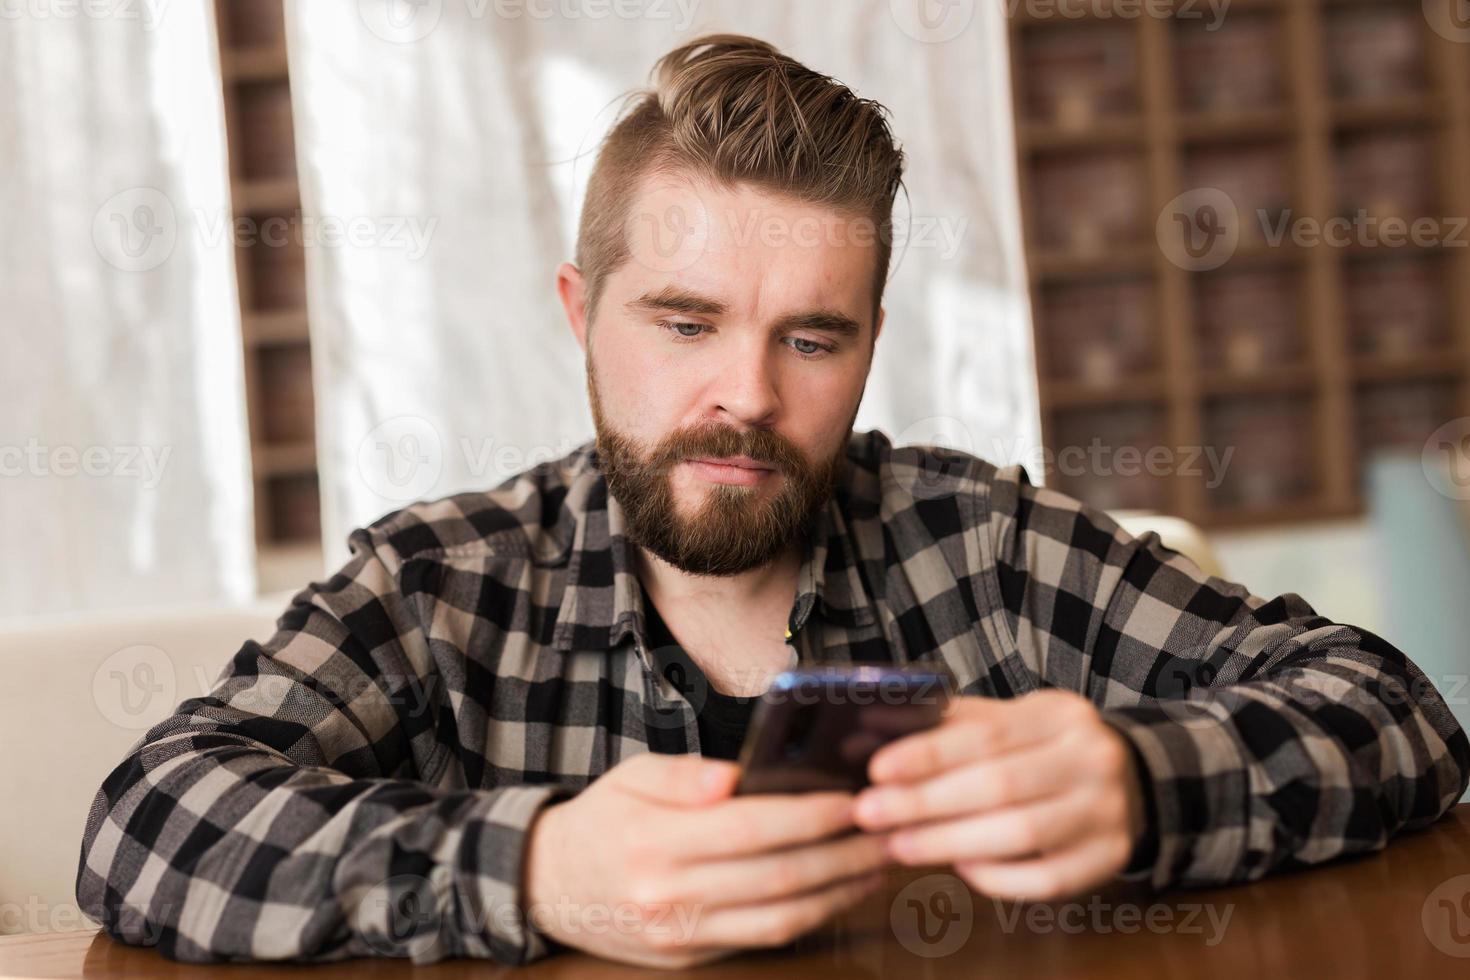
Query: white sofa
(75, 693)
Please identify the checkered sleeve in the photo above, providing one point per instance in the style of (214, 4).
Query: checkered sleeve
(1268, 737)
(282, 815)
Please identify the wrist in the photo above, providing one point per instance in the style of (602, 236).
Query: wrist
(541, 873)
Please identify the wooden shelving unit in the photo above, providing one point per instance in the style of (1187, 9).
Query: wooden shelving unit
(271, 274)
(1302, 359)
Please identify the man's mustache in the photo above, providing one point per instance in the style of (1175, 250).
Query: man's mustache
(762, 445)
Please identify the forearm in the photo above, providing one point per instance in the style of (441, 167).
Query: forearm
(218, 849)
(1331, 754)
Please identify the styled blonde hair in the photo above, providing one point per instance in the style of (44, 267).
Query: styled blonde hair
(733, 109)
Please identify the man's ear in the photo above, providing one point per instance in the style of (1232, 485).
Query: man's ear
(572, 289)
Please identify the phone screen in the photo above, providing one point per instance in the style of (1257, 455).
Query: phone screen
(816, 729)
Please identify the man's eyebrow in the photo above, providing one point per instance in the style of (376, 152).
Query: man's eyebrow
(680, 301)
(822, 321)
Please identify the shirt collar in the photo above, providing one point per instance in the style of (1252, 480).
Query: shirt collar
(602, 602)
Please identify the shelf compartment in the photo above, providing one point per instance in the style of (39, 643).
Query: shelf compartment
(1071, 216)
(1272, 457)
(1229, 66)
(1074, 77)
(1257, 177)
(1098, 332)
(267, 145)
(294, 506)
(1101, 457)
(287, 409)
(1401, 415)
(1387, 174)
(1375, 50)
(1247, 320)
(1396, 305)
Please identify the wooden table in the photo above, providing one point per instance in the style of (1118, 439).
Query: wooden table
(1404, 912)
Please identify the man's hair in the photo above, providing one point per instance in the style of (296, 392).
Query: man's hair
(733, 109)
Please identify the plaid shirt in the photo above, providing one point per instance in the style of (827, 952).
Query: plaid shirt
(481, 656)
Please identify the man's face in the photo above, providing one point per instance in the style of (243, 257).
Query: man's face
(725, 368)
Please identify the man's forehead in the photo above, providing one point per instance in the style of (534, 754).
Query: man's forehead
(711, 240)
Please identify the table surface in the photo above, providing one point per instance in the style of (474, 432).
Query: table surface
(1403, 912)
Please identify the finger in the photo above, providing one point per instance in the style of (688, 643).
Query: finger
(978, 728)
(778, 923)
(680, 780)
(756, 824)
(1051, 876)
(779, 875)
(1007, 834)
(1025, 776)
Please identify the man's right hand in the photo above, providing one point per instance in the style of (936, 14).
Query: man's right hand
(661, 840)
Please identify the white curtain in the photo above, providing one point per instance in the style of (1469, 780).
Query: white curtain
(456, 137)
(124, 467)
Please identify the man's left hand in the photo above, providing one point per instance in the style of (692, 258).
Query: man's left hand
(1030, 798)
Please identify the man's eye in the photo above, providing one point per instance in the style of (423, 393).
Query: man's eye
(806, 348)
(683, 328)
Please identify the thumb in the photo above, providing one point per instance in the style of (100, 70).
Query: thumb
(686, 780)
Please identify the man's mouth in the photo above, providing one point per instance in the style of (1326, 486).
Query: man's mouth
(737, 470)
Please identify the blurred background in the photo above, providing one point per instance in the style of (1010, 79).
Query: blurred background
(273, 270)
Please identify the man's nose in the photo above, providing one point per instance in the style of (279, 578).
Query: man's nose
(745, 388)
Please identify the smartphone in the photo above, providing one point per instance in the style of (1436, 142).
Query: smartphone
(816, 728)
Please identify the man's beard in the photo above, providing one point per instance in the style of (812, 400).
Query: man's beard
(736, 528)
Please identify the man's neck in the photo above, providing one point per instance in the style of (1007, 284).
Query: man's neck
(669, 585)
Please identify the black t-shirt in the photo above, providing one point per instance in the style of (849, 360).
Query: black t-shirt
(722, 718)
